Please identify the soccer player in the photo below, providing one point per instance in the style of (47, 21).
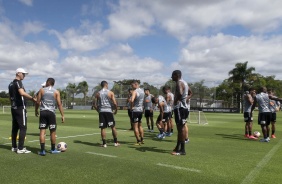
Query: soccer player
(169, 97)
(18, 96)
(103, 105)
(264, 117)
(148, 109)
(129, 113)
(137, 100)
(248, 113)
(164, 115)
(47, 99)
(274, 107)
(180, 111)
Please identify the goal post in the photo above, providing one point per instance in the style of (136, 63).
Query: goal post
(197, 117)
(6, 109)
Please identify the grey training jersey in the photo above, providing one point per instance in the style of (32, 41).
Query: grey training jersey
(138, 101)
(273, 104)
(48, 101)
(182, 102)
(263, 102)
(104, 103)
(247, 104)
(148, 105)
(170, 102)
(162, 99)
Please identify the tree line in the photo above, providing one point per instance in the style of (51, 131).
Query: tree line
(231, 89)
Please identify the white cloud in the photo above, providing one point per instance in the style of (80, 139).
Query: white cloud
(32, 27)
(88, 37)
(211, 58)
(27, 2)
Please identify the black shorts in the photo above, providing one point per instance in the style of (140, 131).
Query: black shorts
(180, 116)
(273, 117)
(149, 113)
(136, 117)
(47, 120)
(166, 117)
(248, 117)
(106, 119)
(264, 118)
(19, 118)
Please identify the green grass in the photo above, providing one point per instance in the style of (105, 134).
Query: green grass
(217, 153)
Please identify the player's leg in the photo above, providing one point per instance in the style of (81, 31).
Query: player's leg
(129, 113)
(22, 122)
(141, 131)
(15, 129)
(152, 121)
(52, 127)
(273, 121)
(187, 133)
(103, 125)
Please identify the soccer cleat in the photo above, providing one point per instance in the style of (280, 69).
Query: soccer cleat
(264, 140)
(246, 135)
(187, 141)
(137, 144)
(55, 151)
(252, 137)
(149, 130)
(24, 150)
(142, 142)
(116, 144)
(268, 139)
(159, 136)
(178, 153)
(42, 153)
(14, 149)
(273, 136)
(152, 130)
(103, 145)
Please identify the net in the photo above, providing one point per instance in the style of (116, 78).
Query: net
(197, 117)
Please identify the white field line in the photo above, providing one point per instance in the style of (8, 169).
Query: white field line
(103, 155)
(255, 172)
(71, 136)
(181, 168)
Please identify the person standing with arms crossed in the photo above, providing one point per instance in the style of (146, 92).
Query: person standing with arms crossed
(47, 99)
(137, 111)
(148, 109)
(248, 113)
(103, 105)
(17, 97)
(180, 111)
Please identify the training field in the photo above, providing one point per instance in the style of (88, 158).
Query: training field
(217, 153)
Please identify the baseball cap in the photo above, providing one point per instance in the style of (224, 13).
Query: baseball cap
(21, 70)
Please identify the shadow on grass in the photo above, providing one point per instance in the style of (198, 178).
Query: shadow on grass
(33, 134)
(233, 136)
(32, 149)
(150, 149)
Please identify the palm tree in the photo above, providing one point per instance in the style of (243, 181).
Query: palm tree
(82, 87)
(240, 74)
(71, 90)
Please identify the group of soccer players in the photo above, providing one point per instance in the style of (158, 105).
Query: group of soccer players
(141, 101)
(268, 105)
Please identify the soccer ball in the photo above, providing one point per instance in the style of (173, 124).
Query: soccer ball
(256, 134)
(62, 146)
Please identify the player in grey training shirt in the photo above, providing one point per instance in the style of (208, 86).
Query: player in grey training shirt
(248, 113)
(105, 100)
(180, 111)
(263, 101)
(137, 99)
(148, 109)
(47, 99)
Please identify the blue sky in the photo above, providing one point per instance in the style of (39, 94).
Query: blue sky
(111, 40)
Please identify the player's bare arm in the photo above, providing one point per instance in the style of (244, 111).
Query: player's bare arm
(133, 98)
(95, 105)
(161, 106)
(112, 97)
(59, 104)
(26, 95)
(37, 104)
